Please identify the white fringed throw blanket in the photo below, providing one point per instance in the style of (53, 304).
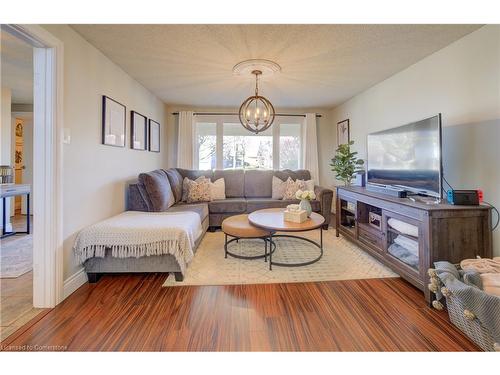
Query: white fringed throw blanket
(137, 234)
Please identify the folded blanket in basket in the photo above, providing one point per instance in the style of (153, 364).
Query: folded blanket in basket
(491, 283)
(137, 234)
(482, 265)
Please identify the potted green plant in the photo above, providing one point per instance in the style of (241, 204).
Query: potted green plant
(345, 163)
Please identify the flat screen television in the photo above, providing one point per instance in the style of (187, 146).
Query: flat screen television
(408, 157)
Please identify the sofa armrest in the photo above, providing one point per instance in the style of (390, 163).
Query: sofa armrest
(325, 197)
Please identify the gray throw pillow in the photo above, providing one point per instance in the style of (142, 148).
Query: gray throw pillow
(175, 179)
(158, 189)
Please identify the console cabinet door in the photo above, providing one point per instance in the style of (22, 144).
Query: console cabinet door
(404, 243)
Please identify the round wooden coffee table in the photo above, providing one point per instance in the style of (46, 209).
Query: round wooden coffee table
(272, 220)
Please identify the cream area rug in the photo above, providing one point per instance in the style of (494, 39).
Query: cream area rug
(16, 256)
(342, 260)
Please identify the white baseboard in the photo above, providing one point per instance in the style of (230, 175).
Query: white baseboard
(73, 282)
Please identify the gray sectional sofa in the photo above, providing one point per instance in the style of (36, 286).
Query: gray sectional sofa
(246, 191)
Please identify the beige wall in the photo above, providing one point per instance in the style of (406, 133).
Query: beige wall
(324, 130)
(462, 81)
(94, 175)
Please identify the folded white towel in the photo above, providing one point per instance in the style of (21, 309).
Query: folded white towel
(408, 244)
(403, 227)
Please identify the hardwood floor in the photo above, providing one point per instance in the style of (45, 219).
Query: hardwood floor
(127, 312)
(16, 294)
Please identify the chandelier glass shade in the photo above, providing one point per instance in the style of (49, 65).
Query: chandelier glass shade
(256, 112)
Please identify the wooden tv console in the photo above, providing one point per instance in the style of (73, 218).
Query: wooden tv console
(445, 231)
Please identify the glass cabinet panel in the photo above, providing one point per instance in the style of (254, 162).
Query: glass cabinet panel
(403, 241)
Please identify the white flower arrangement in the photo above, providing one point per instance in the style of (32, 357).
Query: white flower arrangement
(305, 195)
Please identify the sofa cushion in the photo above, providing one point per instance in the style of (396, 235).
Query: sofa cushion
(301, 174)
(254, 204)
(194, 174)
(258, 183)
(229, 205)
(200, 208)
(158, 189)
(234, 180)
(175, 179)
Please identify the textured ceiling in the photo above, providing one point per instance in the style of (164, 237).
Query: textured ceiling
(322, 65)
(17, 68)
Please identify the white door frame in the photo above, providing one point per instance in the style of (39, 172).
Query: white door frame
(47, 162)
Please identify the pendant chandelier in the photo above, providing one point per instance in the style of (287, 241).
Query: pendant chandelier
(256, 112)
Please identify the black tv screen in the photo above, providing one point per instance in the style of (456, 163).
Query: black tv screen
(408, 156)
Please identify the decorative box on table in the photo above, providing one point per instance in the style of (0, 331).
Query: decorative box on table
(296, 216)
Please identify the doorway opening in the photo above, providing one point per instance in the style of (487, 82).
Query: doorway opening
(30, 178)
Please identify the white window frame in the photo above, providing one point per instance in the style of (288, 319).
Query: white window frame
(221, 119)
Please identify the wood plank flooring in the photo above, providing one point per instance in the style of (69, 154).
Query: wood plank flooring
(134, 312)
(16, 294)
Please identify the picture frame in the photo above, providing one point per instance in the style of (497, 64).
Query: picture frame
(113, 122)
(343, 132)
(154, 136)
(138, 131)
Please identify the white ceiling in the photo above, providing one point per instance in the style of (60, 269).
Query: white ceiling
(16, 68)
(322, 65)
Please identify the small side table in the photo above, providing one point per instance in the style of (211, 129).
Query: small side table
(13, 190)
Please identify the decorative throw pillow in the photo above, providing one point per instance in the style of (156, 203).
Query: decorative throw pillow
(309, 184)
(278, 187)
(186, 184)
(292, 187)
(218, 189)
(199, 191)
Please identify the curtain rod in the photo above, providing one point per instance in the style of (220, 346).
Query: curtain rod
(236, 114)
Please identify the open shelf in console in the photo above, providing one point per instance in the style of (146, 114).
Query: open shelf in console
(348, 216)
(370, 226)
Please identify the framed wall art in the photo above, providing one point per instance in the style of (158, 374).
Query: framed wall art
(113, 122)
(343, 132)
(138, 131)
(154, 136)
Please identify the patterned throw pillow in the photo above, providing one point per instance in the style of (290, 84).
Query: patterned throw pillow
(199, 191)
(186, 185)
(292, 187)
(278, 187)
(309, 184)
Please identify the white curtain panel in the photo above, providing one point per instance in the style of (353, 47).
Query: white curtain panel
(185, 141)
(310, 150)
